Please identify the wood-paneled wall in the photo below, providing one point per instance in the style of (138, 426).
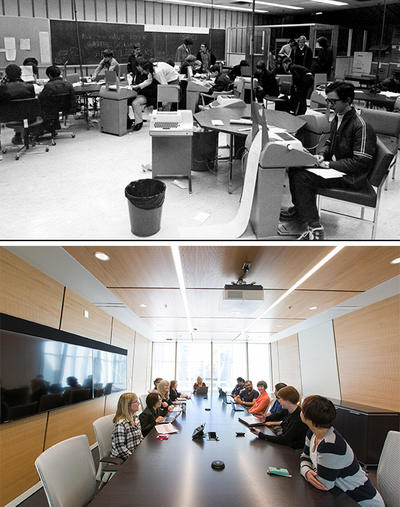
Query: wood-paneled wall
(130, 11)
(368, 353)
(286, 362)
(124, 337)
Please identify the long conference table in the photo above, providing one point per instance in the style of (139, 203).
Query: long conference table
(177, 472)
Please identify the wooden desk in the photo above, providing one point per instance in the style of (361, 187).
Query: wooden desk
(364, 79)
(375, 99)
(177, 472)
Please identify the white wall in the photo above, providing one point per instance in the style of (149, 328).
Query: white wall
(141, 381)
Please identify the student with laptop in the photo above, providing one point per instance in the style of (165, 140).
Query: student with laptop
(239, 386)
(262, 402)
(247, 396)
(173, 391)
(293, 428)
(276, 407)
(150, 415)
(166, 403)
(199, 383)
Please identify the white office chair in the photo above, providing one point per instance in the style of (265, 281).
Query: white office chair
(389, 470)
(142, 398)
(67, 473)
(103, 428)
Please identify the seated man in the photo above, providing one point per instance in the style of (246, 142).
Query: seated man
(247, 396)
(55, 86)
(107, 63)
(239, 386)
(391, 84)
(350, 150)
(236, 70)
(12, 87)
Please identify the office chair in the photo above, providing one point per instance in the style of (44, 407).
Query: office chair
(167, 94)
(22, 115)
(142, 398)
(67, 473)
(367, 197)
(389, 470)
(385, 123)
(108, 465)
(52, 107)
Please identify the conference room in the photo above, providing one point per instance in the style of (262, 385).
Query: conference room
(84, 325)
(196, 128)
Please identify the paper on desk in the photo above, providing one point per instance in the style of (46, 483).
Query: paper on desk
(201, 217)
(165, 428)
(177, 408)
(390, 94)
(179, 184)
(217, 123)
(327, 174)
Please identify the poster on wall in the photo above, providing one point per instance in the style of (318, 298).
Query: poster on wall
(44, 43)
(10, 49)
(25, 44)
(362, 62)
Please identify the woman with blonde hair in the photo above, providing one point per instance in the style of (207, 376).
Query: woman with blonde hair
(166, 403)
(127, 432)
(199, 383)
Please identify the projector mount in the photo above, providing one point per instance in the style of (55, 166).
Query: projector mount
(245, 270)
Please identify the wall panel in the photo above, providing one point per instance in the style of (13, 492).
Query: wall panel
(90, 10)
(111, 11)
(67, 9)
(27, 293)
(101, 10)
(131, 11)
(11, 7)
(121, 11)
(141, 365)
(97, 326)
(21, 442)
(123, 336)
(39, 6)
(368, 352)
(140, 11)
(53, 8)
(158, 13)
(174, 14)
(289, 362)
(26, 8)
(196, 16)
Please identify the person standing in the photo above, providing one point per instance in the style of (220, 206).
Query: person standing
(302, 54)
(183, 50)
(324, 61)
(206, 58)
(107, 63)
(132, 61)
(302, 82)
(287, 49)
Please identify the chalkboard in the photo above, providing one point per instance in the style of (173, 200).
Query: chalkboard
(95, 37)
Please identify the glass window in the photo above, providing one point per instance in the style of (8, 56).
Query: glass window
(193, 360)
(229, 362)
(259, 364)
(163, 361)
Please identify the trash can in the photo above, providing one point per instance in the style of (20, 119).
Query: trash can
(145, 200)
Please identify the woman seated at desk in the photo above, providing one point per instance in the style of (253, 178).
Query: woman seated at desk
(262, 402)
(199, 383)
(147, 93)
(293, 428)
(166, 402)
(150, 415)
(328, 460)
(173, 391)
(127, 432)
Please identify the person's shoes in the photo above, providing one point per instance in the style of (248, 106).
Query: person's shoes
(17, 139)
(129, 123)
(288, 214)
(137, 126)
(314, 232)
(291, 229)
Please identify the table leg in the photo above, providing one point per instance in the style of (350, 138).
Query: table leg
(230, 164)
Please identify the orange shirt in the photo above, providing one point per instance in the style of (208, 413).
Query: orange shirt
(261, 404)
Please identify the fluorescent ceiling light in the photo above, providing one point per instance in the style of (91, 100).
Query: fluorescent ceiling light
(101, 256)
(283, 6)
(330, 2)
(313, 270)
(313, 307)
(395, 261)
(215, 6)
(179, 273)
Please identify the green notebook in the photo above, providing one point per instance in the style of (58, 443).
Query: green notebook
(278, 471)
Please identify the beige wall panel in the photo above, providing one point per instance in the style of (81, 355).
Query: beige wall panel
(53, 9)
(26, 8)
(27, 293)
(90, 10)
(10, 8)
(141, 365)
(158, 14)
(124, 337)
(66, 10)
(121, 11)
(131, 11)
(368, 353)
(289, 362)
(140, 11)
(111, 403)
(74, 420)
(97, 326)
(275, 363)
(21, 442)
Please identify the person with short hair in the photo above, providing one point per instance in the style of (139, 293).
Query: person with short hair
(302, 82)
(173, 391)
(267, 83)
(107, 63)
(261, 403)
(350, 149)
(287, 49)
(165, 73)
(222, 82)
(293, 429)
(328, 460)
(302, 54)
(239, 386)
(324, 60)
(127, 432)
(236, 70)
(156, 381)
(150, 415)
(276, 407)
(132, 61)
(183, 50)
(189, 61)
(31, 61)
(199, 383)
(146, 93)
(206, 57)
(247, 396)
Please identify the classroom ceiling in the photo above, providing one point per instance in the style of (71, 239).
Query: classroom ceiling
(144, 278)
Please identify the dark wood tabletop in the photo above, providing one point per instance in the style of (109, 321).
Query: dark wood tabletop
(177, 472)
(376, 99)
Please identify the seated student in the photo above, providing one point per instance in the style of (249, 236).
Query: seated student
(302, 83)
(239, 386)
(267, 83)
(147, 92)
(31, 61)
(55, 86)
(199, 383)
(261, 403)
(276, 407)
(173, 391)
(187, 66)
(107, 63)
(391, 84)
(166, 402)
(11, 88)
(236, 70)
(350, 149)
(127, 432)
(222, 82)
(293, 428)
(156, 382)
(247, 396)
(328, 460)
(150, 416)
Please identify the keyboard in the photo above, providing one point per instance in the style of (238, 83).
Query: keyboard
(166, 125)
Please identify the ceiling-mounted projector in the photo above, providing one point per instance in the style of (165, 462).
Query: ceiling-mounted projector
(242, 297)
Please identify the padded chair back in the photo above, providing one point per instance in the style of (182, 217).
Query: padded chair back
(142, 398)
(383, 122)
(19, 109)
(53, 105)
(67, 473)
(382, 160)
(389, 470)
(103, 428)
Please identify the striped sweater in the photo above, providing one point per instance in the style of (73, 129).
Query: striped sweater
(336, 465)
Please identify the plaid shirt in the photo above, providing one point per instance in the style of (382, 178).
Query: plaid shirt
(125, 438)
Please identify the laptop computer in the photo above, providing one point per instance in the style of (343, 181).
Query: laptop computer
(170, 418)
(224, 398)
(202, 391)
(237, 407)
(253, 420)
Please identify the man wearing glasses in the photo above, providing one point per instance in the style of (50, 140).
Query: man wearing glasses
(350, 150)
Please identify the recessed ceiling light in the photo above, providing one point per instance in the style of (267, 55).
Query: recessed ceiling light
(143, 305)
(330, 2)
(313, 307)
(395, 261)
(102, 256)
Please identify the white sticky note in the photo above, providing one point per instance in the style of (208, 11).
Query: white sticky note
(44, 43)
(217, 122)
(25, 44)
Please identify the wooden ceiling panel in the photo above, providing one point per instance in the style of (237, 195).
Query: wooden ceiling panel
(274, 267)
(356, 268)
(159, 302)
(129, 266)
(272, 325)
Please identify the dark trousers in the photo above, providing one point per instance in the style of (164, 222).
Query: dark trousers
(304, 186)
(298, 96)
